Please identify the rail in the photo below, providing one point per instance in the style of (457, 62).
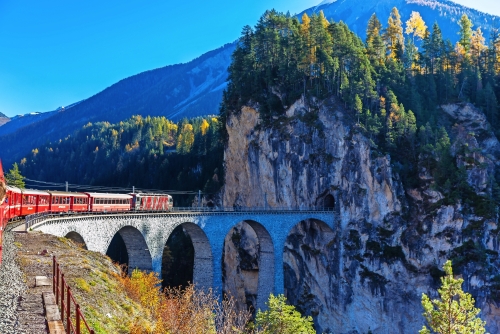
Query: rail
(36, 218)
(62, 291)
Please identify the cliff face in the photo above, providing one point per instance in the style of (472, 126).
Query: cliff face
(389, 243)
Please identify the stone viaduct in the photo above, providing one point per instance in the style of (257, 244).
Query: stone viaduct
(145, 236)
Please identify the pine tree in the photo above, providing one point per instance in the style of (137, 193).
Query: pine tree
(393, 35)
(14, 177)
(281, 318)
(455, 312)
(465, 33)
(374, 43)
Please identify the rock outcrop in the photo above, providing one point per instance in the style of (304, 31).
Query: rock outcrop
(389, 243)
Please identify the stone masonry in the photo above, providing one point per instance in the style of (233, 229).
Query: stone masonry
(145, 236)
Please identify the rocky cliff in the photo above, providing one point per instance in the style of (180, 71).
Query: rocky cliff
(389, 243)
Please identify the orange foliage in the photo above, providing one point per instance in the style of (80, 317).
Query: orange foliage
(182, 311)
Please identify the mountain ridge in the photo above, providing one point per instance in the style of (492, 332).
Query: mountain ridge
(195, 88)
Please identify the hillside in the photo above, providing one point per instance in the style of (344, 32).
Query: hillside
(3, 119)
(176, 91)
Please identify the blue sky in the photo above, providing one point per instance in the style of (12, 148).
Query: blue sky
(56, 52)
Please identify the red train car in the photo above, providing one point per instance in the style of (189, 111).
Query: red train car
(13, 200)
(99, 202)
(79, 202)
(34, 201)
(151, 202)
(60, 201)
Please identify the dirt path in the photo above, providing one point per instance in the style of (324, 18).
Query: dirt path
(21, 308)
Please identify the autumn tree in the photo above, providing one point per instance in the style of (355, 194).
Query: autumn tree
(454, 313)
(415, 26)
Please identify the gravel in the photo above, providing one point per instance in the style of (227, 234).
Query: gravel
(12, 286)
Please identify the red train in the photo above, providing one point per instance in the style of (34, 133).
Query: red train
(23, 202)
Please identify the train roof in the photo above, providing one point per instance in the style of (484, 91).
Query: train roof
(149, 194)
(15, 189)
(68, 194)
(34, 192)
(104, 195)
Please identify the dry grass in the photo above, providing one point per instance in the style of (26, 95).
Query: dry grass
(185, 311)
(116, 303)
(93, 278)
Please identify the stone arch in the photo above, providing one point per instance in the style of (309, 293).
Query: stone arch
(203, 259)
(265, 262)
(77, 239)
(311, 269)
(137, 252)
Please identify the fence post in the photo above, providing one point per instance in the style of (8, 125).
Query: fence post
(77, 329)
(57, 283)
(54, 274)
(68, 310)
(62, 294)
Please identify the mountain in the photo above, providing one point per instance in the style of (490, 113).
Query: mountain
(195, 88)
(446, 13)
(175, 91)
(3, 119)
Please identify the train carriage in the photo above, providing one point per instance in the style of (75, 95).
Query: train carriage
(151, 202)
(99, 202)
(13, 200)
(79, 202)
(60, 201)
(34, 201)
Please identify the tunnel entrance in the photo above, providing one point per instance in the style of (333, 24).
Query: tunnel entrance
(329, 202)
(178, 260)
(117, 251)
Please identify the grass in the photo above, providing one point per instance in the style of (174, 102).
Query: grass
(93, 278)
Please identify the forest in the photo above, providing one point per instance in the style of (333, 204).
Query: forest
(392, 85)
(150, 153)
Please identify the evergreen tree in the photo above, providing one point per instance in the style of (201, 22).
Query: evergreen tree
(393, 35)
(465, 33)
(281, 318)
(14, 177)
(455, 312)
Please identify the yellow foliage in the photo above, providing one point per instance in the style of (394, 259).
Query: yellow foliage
(204, 127)
(306, 23)
(416, 25)
(324, 21)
